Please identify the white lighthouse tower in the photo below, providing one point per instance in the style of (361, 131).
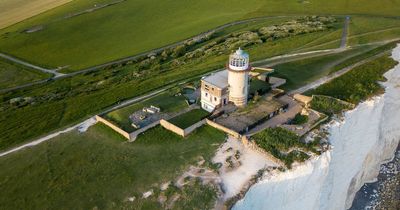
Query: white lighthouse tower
(238, 77)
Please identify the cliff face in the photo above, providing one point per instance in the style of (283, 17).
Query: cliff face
(366, 137)
(388, 136)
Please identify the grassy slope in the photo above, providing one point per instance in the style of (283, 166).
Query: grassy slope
(19, 10)
(118, 84)
(301, 72)
(359, 83)
(13, 75)
(98, 168)
(363, 30)
(118, 31)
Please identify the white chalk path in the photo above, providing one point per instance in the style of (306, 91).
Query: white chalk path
(82, 127)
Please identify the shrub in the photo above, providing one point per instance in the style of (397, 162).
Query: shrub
(299, 119)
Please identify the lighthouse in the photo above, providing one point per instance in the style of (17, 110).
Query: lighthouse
(238, 77)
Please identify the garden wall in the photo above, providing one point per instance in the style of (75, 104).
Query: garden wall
(134, 134)
(182, 132)
(112, 126)
(224, 129)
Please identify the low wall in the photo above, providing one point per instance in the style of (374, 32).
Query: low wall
(182, 132)
(169, 126)
(112, 126)
(224, 129)
(250, 144)
(193, 127)
(135, 134)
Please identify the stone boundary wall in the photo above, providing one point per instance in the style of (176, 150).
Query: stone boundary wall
(169, 126)
(224, 129)
(135, 134)
(112, 126)
(319, 121)
(193, 127)
(182, 132)
(252, 145)
(341, 101)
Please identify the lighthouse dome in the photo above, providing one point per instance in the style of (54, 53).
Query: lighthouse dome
(239, 60)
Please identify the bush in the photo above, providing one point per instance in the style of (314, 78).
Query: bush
(329, 105)
(299, 119)
(278, 141)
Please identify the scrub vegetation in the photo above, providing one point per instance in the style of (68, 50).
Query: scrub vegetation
(12, 74)
(329, 105)
(284, 145)
(299, 119)
(360, 83)
(98, 169)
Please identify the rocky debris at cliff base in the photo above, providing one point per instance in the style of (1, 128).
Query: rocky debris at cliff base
(383, 193)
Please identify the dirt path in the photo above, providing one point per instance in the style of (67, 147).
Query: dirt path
(343, 41)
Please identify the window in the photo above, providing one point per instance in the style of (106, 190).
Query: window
(215, 98)
(212, 89)
(206, 94)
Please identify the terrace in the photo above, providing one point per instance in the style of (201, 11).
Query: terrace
(243, 119)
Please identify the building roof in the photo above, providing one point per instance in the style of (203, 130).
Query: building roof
(219, 79)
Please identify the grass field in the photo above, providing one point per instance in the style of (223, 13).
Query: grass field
(189, 118)
(301, 72)
(13, 75)
(358, 84)
(167, 102)
(363, 30)
(98, 169)
(118, 31)
(66, 101)
(14, 11)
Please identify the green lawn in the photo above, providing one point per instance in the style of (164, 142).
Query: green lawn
(12, 75)
(118, 31)
(167, 102)
(99, 169)
(189, 118)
